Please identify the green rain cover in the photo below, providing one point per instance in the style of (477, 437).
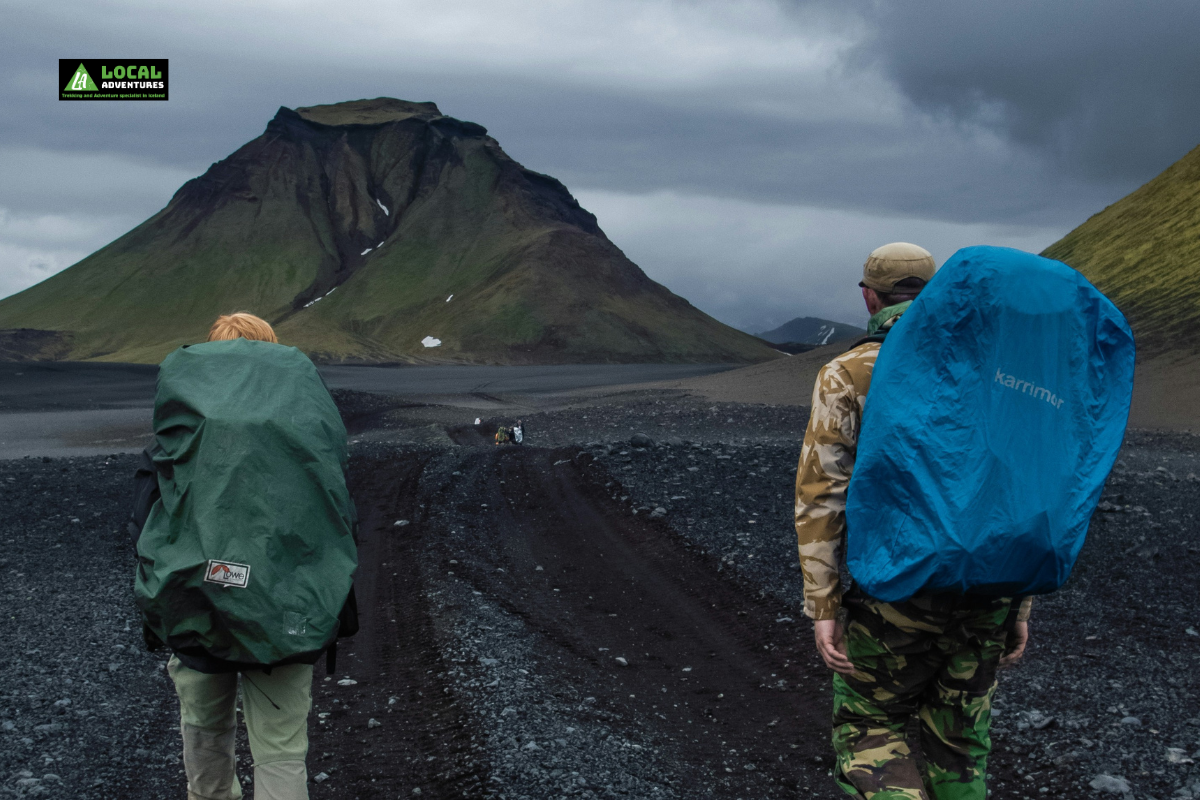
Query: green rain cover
(249, 555)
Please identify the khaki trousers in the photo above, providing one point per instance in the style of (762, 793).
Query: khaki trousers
(275, 708)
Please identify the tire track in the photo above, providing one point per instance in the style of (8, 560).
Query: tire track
(426, 739)
(721, 685)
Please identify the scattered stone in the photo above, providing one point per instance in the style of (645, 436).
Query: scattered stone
(641, 440)
(1132, 722)
(374, 723)
(1108, 783)
(347, 682)
(400, 523)
(1035, 719)
(1177, 755)
(622, 661)
(320, 777)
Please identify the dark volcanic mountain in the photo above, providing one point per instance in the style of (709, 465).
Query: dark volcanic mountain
(812, 331)
(374, 230)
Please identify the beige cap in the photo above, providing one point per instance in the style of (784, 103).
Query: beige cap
(892, 263)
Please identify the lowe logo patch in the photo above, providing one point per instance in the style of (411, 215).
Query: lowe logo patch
(227, 573)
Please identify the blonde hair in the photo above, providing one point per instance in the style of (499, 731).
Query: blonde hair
(241, 325)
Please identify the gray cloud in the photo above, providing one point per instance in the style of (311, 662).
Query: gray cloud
(1106, 88)
(34, 180)
(827, 136)
(959, 122)
(758, 265)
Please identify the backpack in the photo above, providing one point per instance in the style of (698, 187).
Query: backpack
(997, 406)
(247, 555)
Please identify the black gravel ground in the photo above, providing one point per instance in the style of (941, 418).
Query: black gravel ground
(1108, 696)
(486, 682)
(85, 711)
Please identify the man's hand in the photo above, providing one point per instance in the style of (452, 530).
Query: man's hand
(831, 646)
(1016, 644)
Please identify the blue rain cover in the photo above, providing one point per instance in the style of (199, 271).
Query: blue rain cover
(996, 410)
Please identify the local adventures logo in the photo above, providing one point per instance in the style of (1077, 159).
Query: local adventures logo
(125, 79)
(227, 573)
(81, 81)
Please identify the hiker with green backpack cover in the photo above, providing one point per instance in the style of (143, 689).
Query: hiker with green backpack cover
(246, 552)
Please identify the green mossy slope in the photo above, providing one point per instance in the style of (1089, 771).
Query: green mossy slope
(1144, 253)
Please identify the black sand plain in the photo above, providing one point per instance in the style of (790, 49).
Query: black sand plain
(580, 617)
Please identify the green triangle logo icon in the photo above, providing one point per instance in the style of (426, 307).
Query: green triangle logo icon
(80, 81)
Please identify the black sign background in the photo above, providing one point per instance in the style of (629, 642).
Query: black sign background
(95, 66)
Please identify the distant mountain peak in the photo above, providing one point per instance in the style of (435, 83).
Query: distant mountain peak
(812, 331)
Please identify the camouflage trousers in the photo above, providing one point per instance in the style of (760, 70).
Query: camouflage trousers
(933, 657)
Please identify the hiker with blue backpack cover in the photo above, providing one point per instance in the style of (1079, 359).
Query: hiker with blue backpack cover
(244, 531)
(999, 393)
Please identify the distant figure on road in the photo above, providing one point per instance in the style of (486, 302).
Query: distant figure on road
(244, 533)
(502, 435)
(478, 422)
(519, 432)
(932, 656)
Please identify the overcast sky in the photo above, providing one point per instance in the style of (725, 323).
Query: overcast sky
(748, 154)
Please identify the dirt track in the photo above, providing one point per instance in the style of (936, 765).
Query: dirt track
(395, 657)
(732, 707)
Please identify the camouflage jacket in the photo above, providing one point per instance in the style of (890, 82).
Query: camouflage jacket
(826, 464)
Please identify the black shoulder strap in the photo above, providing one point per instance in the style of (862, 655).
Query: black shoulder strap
(875, 337)
(348, 616)
(145, 493)
(331, 659)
